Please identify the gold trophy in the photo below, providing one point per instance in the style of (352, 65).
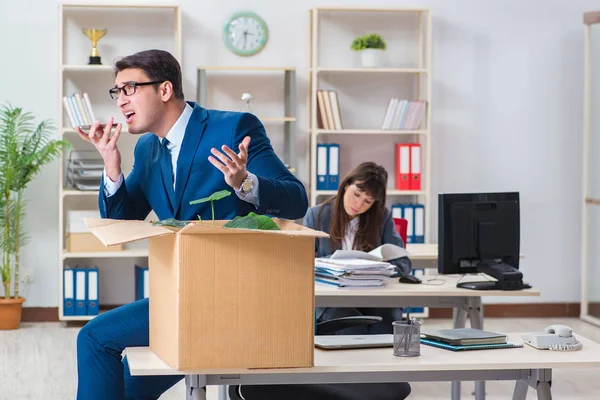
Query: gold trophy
(94, 35)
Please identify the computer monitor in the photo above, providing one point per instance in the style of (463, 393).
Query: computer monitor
(480, 232)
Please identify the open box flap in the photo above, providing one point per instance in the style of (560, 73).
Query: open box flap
(113, 231)
(288, 228)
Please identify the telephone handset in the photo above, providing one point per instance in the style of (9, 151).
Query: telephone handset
(554, 337)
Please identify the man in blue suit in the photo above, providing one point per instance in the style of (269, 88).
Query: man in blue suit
(172, 166)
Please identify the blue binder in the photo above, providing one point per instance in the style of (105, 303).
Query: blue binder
(68, 292)
(419, 228)
(333, 169)
(80, 291)
(322, 166)
(93, 287)
(142, 283)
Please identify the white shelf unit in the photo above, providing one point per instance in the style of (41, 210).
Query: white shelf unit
(334, 66)
(130, 28)
(326, 66)
(264, 80)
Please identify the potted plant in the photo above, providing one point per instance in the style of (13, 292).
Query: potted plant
(371, 48)
(24, 150)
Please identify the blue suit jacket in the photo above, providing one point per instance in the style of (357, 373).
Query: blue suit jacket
(280, 193)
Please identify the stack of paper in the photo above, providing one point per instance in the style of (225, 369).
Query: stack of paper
(353, 272)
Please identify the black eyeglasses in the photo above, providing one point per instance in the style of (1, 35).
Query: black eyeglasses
(129, 88)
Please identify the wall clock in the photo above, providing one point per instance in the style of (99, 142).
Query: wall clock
(245, 33)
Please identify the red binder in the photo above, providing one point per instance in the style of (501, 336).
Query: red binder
(415, 166)
(402, 166)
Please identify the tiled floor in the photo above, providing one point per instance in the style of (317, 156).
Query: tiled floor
(38, 362)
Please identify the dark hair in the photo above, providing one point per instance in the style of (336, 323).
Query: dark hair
(159, 65)
(371, 179)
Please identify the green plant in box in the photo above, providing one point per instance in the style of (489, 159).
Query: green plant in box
(212, 198)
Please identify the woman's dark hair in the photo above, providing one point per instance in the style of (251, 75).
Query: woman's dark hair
(159, 65)
(371, 179)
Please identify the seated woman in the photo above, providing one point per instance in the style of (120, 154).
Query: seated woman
(357, 219)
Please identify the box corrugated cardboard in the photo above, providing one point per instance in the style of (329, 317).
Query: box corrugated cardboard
(224, 297)
(88, 243)
(79, 239)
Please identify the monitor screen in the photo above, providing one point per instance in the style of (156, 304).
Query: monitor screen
(475, 228)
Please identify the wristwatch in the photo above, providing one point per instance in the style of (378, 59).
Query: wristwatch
(246, 185)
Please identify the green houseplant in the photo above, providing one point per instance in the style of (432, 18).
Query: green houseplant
(371, 47)
(24, 149)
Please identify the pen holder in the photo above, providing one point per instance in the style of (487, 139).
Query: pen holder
(407, 338)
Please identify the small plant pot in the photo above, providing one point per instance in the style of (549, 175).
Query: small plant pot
(10, 313)
(371, 58)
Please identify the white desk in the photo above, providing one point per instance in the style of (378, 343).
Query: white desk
(465, 302)
(526, 366)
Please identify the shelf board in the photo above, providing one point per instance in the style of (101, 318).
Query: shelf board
(87, 68)
(128, 253)
(371, 132)
(77, 317)
(72, 192)
(249, 69)
(372, 70)
(115, 5)
(277, 119)
(389, 192)
(375, 10)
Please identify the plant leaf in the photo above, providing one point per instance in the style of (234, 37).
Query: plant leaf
(213, 197)
(252, 221)
(170, 222)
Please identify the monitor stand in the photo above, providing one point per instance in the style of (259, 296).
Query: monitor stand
(508, 278)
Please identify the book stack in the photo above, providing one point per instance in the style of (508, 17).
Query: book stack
(79, 109)
(355, 268)
(84, 170)
(464, 339)
(404, 114)
(328, 110)
(353, 272)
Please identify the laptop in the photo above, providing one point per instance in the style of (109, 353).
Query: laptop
(337, 342)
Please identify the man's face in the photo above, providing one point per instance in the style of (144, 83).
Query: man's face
(142, 105)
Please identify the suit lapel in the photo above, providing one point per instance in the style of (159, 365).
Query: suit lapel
(189, 147)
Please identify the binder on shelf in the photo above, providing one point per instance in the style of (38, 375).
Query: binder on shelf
(322, 166)
(93, 306)
(80, 291)
(419, 229)
(142, 283)
(408, 213)
(68, 292)
(415, 166)
(333, 170)
(402, 166)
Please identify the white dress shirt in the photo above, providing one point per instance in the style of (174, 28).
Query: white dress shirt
(348, 242)
(175, 137)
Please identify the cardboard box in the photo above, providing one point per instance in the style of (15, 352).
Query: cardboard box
(78, 238)
(226, 298)
(87, 243)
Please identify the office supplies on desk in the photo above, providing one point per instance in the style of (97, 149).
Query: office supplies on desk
(446, 346)
(465, 336)
(406, 337)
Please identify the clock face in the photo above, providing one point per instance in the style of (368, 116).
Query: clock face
(245, 34)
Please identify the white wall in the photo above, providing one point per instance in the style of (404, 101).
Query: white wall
(507, 110)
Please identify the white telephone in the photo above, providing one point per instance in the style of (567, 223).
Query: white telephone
(554, 337)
